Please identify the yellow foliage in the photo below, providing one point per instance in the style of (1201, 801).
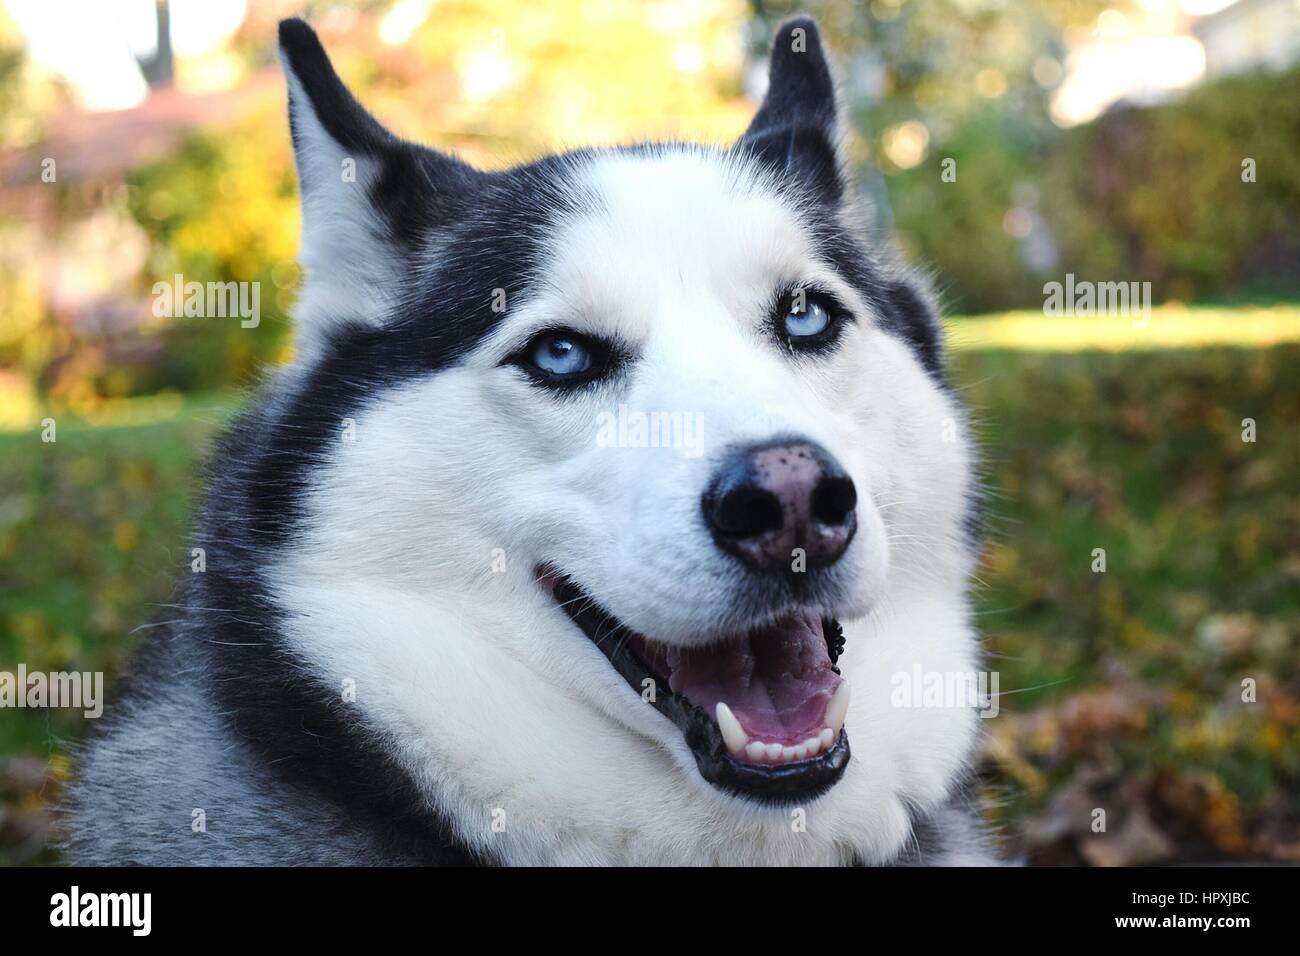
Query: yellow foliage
(519, 75)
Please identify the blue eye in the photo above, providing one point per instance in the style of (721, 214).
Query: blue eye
(559, 358)
(560, 354)
(813, 320)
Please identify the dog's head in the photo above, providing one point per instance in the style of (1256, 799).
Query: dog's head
(652, 415)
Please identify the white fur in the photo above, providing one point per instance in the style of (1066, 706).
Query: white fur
(350, 273)
(496, 701)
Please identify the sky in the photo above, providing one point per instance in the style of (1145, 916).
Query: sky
(93, 43)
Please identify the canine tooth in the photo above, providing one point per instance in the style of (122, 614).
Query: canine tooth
(826, 737)
(774, 752)
(755, 750)
(733, 735)
(838, 708)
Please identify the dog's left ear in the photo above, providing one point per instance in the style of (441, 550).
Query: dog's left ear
(795, 131)
(368, 197)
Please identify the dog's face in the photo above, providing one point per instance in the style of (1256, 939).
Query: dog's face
(622, 441)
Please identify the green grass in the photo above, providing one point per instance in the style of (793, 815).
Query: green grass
(93, 532)
(1140, 667)
(1132, 677)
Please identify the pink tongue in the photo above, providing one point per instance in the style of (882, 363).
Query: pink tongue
(777, 682)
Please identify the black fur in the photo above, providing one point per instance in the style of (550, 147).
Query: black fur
(794, 131)
(346, 120)
(416, 187)
(800, 88)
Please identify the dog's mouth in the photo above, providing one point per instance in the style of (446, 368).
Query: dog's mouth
(762, 712)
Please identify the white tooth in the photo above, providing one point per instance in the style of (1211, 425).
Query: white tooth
(801, 752)
(755, 750)
(826, 738)
(733, 735)
(838, 708)
(812, 746)
(789, 754)
(774, 752)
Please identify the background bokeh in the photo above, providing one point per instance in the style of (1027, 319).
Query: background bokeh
(1145, 141)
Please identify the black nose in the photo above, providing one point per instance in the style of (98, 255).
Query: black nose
(766, 501)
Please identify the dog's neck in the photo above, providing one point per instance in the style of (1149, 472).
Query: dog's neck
(530, 766)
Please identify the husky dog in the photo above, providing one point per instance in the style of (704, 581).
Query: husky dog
(460, 606)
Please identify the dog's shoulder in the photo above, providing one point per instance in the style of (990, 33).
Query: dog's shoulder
(167, 781)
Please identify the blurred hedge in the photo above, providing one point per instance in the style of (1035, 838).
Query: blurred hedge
(1141, 194)
(222, 208)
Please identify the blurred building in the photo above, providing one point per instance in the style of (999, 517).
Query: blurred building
(1153, 50)
(1250, 35)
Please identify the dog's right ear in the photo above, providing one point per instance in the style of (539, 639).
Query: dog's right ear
(368, 197)
(794, 132)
